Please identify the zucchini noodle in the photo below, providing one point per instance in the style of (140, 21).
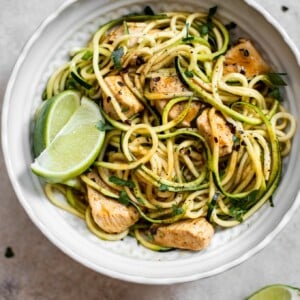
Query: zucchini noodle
(171, 68)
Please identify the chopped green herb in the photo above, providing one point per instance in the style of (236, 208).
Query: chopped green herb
(205, 28)
(116, 57)
(235, 139)
(119, 181)
(163, 188)
(124, 198)
(212, 11)
(177, 210)
(241, 206)
(188, 39)
(87, 55)
(9, 253)
(276, 78)
(149, 11)
(189, 74)
(275, 93)
(102, 126)
(271, 202)
(140, 200)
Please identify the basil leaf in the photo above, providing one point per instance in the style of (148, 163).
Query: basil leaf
(119, 181)
(177, 210)
(163, 188)
(276, 78)
(123, 198)
(275, 93)
(204, 30)
(117, 56)
(241, 206)
(149, 11)
(212, 11)
(189, 74)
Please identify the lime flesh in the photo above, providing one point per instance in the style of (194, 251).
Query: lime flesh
(276, 292)
(74, 148)
(52, 115)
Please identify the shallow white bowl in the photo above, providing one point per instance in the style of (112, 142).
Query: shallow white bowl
(71, 26)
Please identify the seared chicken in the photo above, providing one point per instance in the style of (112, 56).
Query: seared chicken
(192, 234)
(129, 104)
(166, 85)
(244, 58)
(108, 214)
(135, 30)
(224, 137)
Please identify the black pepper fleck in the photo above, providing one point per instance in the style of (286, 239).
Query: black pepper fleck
(284, 8)
(140, 60)
(245, 52)
(156, 79)
(120, 83)
(9, 253)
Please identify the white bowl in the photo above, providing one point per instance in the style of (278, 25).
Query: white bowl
(71, 26)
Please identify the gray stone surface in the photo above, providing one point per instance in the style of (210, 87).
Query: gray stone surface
(40, 271)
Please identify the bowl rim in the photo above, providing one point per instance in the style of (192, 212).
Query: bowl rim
(118, 275)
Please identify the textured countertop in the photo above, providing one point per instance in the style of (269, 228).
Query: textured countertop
(38, 270)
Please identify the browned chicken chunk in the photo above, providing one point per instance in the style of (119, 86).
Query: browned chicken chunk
(244, 58)
(224, 137)
(192, 234)
(166, 85)
(108, 214)
(135, 30)
(129, 104)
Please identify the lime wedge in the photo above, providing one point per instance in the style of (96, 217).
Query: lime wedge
(276, 292)
(52, 115)
(74, 148)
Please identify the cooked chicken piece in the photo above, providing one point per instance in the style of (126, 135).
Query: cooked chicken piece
(167, 85)
(192, 234)
(108, 214)
(135, 29)
(225, 136)
(244, 58)
(129, 104)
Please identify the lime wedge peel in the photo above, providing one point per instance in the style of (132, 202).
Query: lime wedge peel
(52, 115)
(276, 292)
(74, 148)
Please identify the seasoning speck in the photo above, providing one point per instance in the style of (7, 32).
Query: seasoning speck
(9, 253)
(284, 8)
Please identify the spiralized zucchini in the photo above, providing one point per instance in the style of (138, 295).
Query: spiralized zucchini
(168, 171)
